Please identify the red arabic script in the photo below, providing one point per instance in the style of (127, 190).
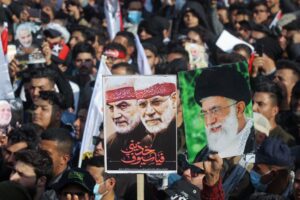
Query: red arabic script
(136, 154)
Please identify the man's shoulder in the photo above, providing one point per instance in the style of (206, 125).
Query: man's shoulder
(279, 132)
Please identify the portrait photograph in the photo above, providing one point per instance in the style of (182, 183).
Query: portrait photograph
(140, 123)
(217, 110)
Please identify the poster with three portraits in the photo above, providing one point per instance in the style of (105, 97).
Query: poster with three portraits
(140, 124)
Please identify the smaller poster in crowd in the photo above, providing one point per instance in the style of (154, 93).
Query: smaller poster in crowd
(217, 111)
(197, 55)
(28, 47)
(11, 115)
(140, 124)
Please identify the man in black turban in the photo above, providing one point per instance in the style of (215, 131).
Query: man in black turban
(223, 94)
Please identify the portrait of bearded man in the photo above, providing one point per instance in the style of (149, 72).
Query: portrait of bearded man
(223, 94)
(157, 105)
(122, 111)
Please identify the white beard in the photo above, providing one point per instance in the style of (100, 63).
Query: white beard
(165, 118)
(132, 124)
(223, 139)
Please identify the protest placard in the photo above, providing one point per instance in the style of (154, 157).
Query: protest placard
(140, 124)
(210, 98)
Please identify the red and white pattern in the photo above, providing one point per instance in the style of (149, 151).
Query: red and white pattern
(159, 89)
(120, 94)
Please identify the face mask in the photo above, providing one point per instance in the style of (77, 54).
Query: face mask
(255, 180)
(98, 196)
(134, 16)
(84, 3)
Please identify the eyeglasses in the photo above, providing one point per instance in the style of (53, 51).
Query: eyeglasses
(215, 111)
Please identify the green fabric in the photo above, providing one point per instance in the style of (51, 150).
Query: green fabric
(194, 124)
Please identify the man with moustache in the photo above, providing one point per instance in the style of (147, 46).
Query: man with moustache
(223, 94)
(121, 105)
(157, 106)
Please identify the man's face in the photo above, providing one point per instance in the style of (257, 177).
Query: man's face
(5, 113)
(24, 175)
(119, 71)
(260, 14)
(124, 115)
(25, 38)
(40, 84)
(221, 122)
(43, 113)
(9, 151)
(286, 77)
(157, 112)
(262, 103)
(52, 148)
(85, 62)
(73, 191)
(80, 123)
(75, 38)
(99, 148)
(121, 40)
(296, 185)
(110, 61)
(152, 59)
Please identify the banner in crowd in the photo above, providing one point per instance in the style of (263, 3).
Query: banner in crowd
(211, 99)
(95, 115)
(11, 115)
(6, 91)
(140, 124)
(113, 17)
(28, 47)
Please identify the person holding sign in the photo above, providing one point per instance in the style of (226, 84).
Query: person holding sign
(223, 95)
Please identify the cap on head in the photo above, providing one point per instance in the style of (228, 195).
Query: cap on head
(118, 89)
(159, 86)
(274, 151)
(76, 176)
(222, 81)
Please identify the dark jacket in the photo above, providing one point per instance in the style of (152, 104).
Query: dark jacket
(278, 132)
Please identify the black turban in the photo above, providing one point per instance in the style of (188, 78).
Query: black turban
(222, 81)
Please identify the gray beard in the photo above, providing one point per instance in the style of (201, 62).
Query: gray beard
(166, 119)
(132, 124)
(226, 136)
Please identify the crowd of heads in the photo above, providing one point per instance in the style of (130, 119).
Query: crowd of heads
(54, 52)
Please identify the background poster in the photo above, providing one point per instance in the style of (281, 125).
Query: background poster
(193, 122)
(140, 124)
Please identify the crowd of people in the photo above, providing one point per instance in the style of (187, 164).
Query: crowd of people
(54, 50)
